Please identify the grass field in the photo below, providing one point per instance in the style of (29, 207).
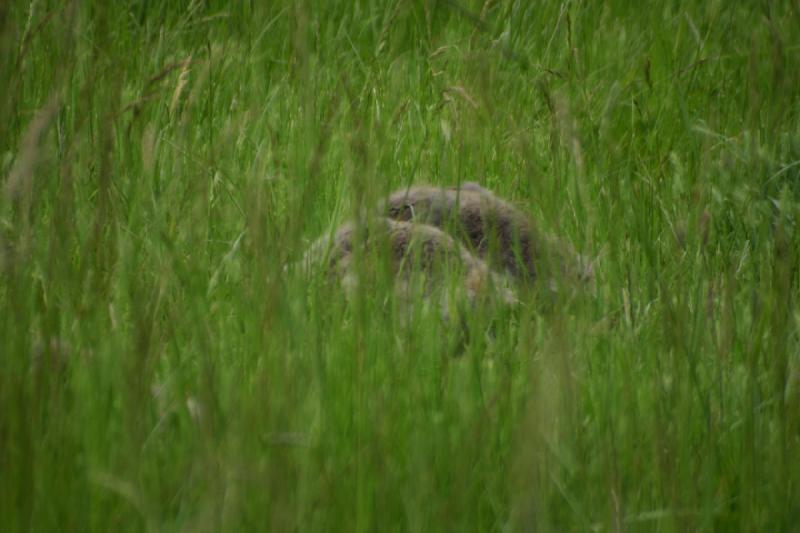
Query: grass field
(161, 162)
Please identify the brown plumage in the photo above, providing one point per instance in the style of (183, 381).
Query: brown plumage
(493, 228)
(411, 248)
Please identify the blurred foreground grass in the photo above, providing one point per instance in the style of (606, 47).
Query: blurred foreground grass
(160, 163)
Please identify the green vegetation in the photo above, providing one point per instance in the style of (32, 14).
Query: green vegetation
(161, 162)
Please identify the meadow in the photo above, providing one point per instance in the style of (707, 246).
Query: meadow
(161, 163)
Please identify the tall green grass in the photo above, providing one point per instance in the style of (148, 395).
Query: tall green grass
(162, 161)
